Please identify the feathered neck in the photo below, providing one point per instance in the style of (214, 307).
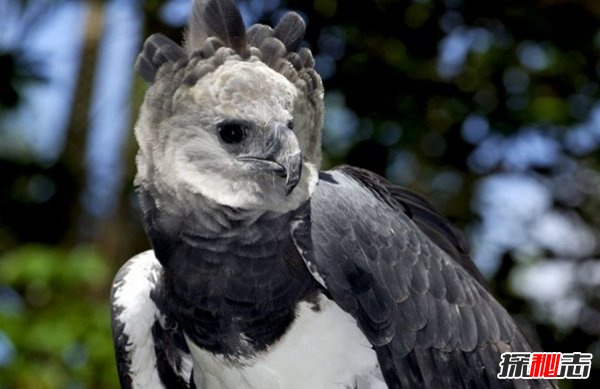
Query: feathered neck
(232, 278)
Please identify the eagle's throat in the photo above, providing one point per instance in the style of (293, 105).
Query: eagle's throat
(231, 283)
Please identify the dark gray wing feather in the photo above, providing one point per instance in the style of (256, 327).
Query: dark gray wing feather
(405, 274)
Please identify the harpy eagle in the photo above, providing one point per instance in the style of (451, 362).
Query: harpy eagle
(266, 273)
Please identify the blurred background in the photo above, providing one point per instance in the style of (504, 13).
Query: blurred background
(489, 108)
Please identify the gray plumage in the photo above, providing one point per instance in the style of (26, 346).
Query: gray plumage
(261, 265)
(258, 33)
(290, 30)
(416, 303)
(158, 49)
(220, 19)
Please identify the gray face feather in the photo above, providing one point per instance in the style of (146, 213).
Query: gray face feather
(234, 118)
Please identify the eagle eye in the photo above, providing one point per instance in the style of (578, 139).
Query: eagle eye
(232, 132)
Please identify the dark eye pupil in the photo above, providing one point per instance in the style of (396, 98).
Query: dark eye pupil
(232, 132)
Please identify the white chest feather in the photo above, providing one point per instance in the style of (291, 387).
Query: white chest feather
(321, 350)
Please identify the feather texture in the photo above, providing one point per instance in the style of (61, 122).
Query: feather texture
(272, 49)
(157, 50)
(220, 19)
(397, 266)
(258, 33)
(290, 30)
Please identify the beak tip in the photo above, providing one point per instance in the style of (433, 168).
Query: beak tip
(294, 173)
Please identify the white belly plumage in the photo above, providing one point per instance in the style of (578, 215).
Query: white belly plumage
(322, 349)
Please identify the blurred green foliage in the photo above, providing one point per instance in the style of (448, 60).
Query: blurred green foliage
(58, 319)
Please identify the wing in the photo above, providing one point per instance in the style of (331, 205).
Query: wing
(404, 273)
(151, 351)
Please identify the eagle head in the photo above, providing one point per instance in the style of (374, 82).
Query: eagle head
(234, 117)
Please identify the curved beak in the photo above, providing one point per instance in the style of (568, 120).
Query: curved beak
(282, 155)
(293, 167)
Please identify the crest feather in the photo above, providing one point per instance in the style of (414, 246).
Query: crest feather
(157, 50)
(257, 34)
(306, 57)
(220, 19)
(290, 30)
(272, 49)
